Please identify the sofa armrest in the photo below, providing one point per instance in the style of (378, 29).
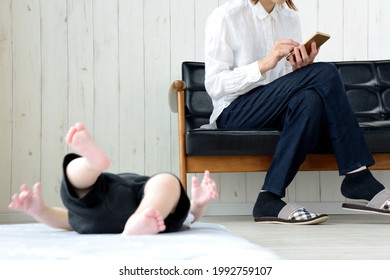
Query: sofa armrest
(176, 86)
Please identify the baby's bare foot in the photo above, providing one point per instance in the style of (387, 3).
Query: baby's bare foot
(148, 221)
(79, 139)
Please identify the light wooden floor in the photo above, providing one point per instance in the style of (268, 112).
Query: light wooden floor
(343, 237)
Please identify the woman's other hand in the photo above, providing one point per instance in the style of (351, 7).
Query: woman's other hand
(300, 58)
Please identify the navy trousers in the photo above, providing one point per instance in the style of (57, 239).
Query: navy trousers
(305, 105)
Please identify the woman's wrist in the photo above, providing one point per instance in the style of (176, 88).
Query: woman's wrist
(262, 67)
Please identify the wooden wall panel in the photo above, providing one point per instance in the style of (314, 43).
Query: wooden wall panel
(54, 96)
(6, 108)
(379, 30)
(308, 15)
(131, 86)
(157, 75)
(106, 78)
(331, 21)
(26, 91)
(355, 29)
(81, 63)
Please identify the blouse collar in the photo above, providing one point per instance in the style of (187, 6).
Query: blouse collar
(261, 13)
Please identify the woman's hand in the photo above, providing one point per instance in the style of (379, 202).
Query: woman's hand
(279, 51)
(300, 58)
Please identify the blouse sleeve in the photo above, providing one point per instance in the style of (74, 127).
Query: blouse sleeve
(221, 78)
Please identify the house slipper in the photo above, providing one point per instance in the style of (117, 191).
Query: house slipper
(292, 213)
(379, 204)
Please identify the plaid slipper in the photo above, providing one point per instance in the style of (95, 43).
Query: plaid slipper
(379, 204)
(294, 214)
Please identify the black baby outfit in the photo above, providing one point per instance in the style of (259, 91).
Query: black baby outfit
(111, 201)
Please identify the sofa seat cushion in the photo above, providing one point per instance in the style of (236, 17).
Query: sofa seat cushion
(377, 135)
(380, 124)
(216, 142)
(211, 142)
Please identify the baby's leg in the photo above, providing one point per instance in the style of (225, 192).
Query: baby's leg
(83, 172)
(161, 195)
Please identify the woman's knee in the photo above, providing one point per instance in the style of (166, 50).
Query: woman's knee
(325, 71)
(325, 66)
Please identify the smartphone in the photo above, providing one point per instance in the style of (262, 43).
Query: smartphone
(320, 38)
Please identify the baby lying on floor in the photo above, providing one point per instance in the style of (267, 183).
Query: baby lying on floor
(100, 202)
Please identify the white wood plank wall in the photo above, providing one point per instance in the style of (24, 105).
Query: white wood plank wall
(109, 64)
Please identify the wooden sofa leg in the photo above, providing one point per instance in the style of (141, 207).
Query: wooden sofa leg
(183, 178)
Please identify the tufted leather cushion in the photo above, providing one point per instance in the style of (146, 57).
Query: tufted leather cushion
(367, 84)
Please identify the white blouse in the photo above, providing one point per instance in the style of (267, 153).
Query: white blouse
(238, 34)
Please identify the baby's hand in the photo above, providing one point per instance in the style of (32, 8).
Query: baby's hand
(28, 201)
(206, 192)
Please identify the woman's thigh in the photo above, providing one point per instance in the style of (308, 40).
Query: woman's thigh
(265, 106)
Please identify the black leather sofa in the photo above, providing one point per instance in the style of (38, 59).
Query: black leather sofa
(367, 85)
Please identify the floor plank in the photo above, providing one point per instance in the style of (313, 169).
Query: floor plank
(343, 237)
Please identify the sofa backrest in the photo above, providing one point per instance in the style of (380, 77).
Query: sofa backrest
(198, 103)
(367, 84)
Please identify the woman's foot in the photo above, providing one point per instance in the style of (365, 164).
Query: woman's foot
(361, 185)
(271, 209)
(268, 204)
